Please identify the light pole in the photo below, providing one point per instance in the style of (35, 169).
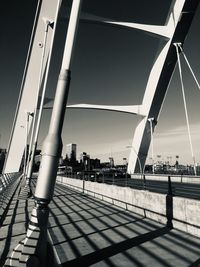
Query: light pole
(28, 115)
(151, 120)
(36, 124)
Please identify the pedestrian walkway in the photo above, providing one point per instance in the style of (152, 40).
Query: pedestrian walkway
(85, 231)
(15, 224)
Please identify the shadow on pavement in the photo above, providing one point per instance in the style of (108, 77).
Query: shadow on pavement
(114, 249)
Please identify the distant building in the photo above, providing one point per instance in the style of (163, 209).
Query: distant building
(83, 157)
(71, 152)
(95, 163)
(105, 165)
(85, 161)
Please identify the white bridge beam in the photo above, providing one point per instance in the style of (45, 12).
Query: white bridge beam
(29, 89)
(175, 30)
(135, 109)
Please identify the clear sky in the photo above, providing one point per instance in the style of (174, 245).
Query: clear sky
(110, 66)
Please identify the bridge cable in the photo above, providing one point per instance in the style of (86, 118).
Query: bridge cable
(189, 66)
(185, 105)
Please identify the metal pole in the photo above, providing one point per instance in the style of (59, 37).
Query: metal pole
(152, 150)
(144, 182)
(51, 152)
(34, 146)
(31, 147)
(169, 205)
(26, 141)
(25, 144)
(52, 146)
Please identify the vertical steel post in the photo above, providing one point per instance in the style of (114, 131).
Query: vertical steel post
(37, 127)
(32, 146)
(28, 115)
(52, 146)
(169, 205)
(26, 142)
(152, 148)
(51, 152)
(144, 182)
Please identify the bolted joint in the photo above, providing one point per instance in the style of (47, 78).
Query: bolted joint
(178, 46)
(40, 44)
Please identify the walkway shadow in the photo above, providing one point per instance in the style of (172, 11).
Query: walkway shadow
(114, 249)
(196, 263)
(16, 217)
(9, 235)
(85, 231)
(93, 214)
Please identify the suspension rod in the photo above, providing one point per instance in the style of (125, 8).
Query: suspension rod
(185, 105)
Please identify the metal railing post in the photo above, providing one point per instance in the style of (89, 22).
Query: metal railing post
(144, 182)
(169, 204)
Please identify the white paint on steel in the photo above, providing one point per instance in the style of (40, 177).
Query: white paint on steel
(142, 136)
(30, 87)
(52, 145)
(41, 104)
(71, 35)
(132, 109)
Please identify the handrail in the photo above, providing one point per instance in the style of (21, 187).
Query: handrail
(8, 186)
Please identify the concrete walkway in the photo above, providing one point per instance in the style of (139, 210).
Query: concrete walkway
(89, 232)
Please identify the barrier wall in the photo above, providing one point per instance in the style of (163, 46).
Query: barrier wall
(174, 178)
(183, 213)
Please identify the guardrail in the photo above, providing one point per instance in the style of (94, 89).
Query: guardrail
(174, 211)
(8, 186)
(183, 186)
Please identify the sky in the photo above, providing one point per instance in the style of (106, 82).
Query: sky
(110, 66)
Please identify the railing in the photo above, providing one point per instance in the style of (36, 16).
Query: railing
(164, 206)
(8, 185)
(183, 186)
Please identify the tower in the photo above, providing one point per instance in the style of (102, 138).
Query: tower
(71, 152)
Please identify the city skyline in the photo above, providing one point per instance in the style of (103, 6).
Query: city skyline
(110, 66)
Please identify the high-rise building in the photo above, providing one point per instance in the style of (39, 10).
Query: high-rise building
(71, 152)
(83, 156)
(85, 161)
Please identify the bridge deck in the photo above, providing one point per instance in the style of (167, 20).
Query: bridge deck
(88, 232)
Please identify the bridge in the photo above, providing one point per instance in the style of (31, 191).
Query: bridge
(48, 219)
